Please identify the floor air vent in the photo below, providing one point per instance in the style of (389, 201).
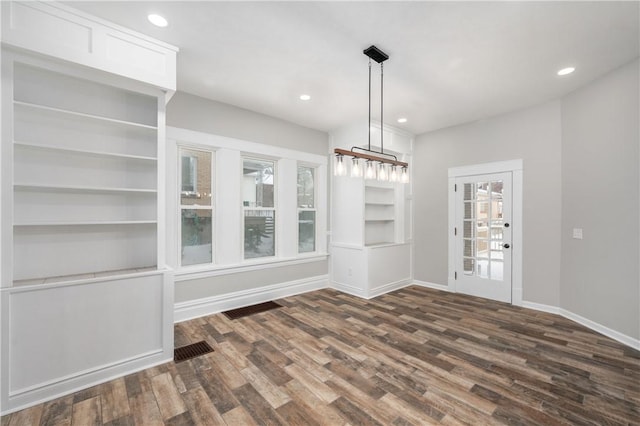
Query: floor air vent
(250, 310)
(184, 353)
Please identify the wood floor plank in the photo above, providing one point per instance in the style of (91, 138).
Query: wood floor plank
(203, 412)
(88, 412)
(169, 399)
(415, 356)
(29, 416)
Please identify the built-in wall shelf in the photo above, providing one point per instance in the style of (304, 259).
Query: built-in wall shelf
(81, 278)
(88, 223)
(73, 188)
(82, 220)
(80, 115)
(30, 145)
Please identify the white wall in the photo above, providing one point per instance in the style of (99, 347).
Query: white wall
(600, 190)
(532, 135)
(195, 113)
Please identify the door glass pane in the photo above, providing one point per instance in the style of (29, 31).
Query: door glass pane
(259, 233)
(483, 230)
(195, 181)
(482, 268)
(469, 266)
(258, 183)
(469, 210)
(469, 248)
(482, 247)
(469, 229)
(482, 191)
(483, 210)
(196, 236)
(469, 191)
(306, 231)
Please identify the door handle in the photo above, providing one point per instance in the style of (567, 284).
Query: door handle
(506, 245)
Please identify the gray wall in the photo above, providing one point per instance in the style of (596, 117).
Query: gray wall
(600, 161)
(203, 115)
(532, 135)
(581, 160)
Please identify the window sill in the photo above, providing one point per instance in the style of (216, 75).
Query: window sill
(196, 272)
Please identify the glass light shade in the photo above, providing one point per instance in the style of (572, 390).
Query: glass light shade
(393, 175)
(404, 177)
(370, 172)
(356, 168)
(339, 167)
(383, 175)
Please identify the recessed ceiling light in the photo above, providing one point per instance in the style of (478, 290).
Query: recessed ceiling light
(157, 20)
(305, 97)
(402, 120)
(565, 71)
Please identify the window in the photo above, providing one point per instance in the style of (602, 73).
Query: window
(306, 210)
(258, 200)
(196, 209)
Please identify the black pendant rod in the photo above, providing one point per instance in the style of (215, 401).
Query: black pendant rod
(369, 104)
(381, 107)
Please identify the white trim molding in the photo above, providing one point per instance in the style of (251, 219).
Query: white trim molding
(184, 311)
(604, 330)
(441, 287)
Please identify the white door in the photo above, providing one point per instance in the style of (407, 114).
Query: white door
(482, 235)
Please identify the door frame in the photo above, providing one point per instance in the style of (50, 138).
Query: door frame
(516, 169)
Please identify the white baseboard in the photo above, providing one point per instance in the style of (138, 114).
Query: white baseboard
(346, 288)
(541, 307)
(434, 286)
(212, 305)
(83, 380)
(613, 334)
(378, 291)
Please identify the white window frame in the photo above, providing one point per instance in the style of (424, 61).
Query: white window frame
(274, 209)
(228, 209)
(308, 209)
(182, 207)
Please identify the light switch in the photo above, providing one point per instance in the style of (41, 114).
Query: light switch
(577, 233)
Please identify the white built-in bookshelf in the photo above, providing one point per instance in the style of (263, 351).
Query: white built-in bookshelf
(85, 176)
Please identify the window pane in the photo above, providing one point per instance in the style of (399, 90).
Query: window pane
(306, 232)
(258, 183)
(196, 236)
(259, 233)
(306, 187)
(196, 177)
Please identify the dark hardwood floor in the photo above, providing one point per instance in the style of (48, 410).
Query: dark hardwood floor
(412, 357)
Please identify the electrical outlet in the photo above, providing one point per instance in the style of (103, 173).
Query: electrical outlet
(577, 233)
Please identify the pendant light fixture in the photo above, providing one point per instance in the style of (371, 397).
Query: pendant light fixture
(377, 164)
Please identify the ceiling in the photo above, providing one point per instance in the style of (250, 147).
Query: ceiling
(450, 62)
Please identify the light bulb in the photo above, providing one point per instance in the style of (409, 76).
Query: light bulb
(339, 167)
(393, 176)
(404, 177)
(356, 169)
(382, 172)
(371, 170)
